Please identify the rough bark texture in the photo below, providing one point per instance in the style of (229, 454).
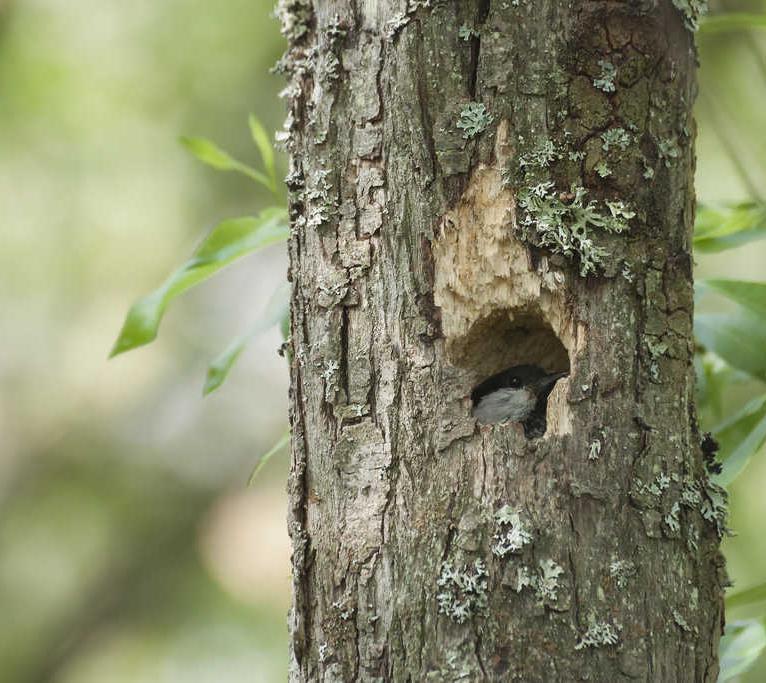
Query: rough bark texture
(436, 241)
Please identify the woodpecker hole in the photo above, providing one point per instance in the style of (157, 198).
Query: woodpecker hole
(499, 307)
(508, 338)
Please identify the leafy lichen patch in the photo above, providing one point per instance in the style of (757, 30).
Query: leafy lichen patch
(599, 634)
(615, 137)
(542, 155)
(622, 571)
(463, 590)
(714, 508)
(564, 223)
(605, 81)
(512, 533)
(668, 150)
(466, 33)
(295, 17)
(603, 169)
(547, 587)
(474, 119)
(693, 11)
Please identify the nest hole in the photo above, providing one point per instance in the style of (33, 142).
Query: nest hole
(509, 338)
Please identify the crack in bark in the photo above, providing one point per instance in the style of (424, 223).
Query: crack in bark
(477, 652)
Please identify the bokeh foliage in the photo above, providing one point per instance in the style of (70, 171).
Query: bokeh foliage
(130, 548)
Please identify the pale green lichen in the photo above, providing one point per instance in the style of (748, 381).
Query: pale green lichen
(544, 581)
(621, 214)
(318, 196)
(465, 33)
(464, 591)
(703, 495)
(512, 534)
(327, 62)
(615, 137)
(599, 634)
(622, 571)
(548, 581)
(690, 495)
(562, 223)
(628, 273)
(668, 150)
(605, 82)
(661, 482)
(295, 17)
(713, 507)
(329, 68)
(681, 621)
(672, 518)
(343, 608)
(541, 156)
(602, 169)
(711, 502)
(474, 119)
(693, 11)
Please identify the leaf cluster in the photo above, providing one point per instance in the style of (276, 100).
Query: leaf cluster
(227, 242)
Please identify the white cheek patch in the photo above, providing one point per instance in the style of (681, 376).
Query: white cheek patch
(504, 404)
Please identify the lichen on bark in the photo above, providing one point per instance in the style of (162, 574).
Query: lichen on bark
(414, 278)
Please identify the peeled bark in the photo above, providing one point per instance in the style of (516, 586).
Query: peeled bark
(476, 185)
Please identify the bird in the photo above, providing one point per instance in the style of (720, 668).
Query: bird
(519, 394)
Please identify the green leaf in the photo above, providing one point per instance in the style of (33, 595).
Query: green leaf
(713, 376)
(212, 155)
(227, 241)
(747, 598)
(739, 339)
(278, 446)
(276, 308)
(262, 141)
(749, 295)
(720, 227)
(731, 21)
(740, 437)
(741, 645)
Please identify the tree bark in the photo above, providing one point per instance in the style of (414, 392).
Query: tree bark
(476, 185)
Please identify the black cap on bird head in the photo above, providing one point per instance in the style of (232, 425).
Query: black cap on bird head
(531, 377)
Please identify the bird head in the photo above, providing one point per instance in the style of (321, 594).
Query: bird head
(513, 394)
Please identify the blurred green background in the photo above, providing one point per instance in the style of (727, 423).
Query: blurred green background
(130, 547)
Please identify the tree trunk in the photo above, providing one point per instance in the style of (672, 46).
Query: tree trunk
(479, 184)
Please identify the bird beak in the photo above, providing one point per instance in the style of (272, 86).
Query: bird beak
(549, 380)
